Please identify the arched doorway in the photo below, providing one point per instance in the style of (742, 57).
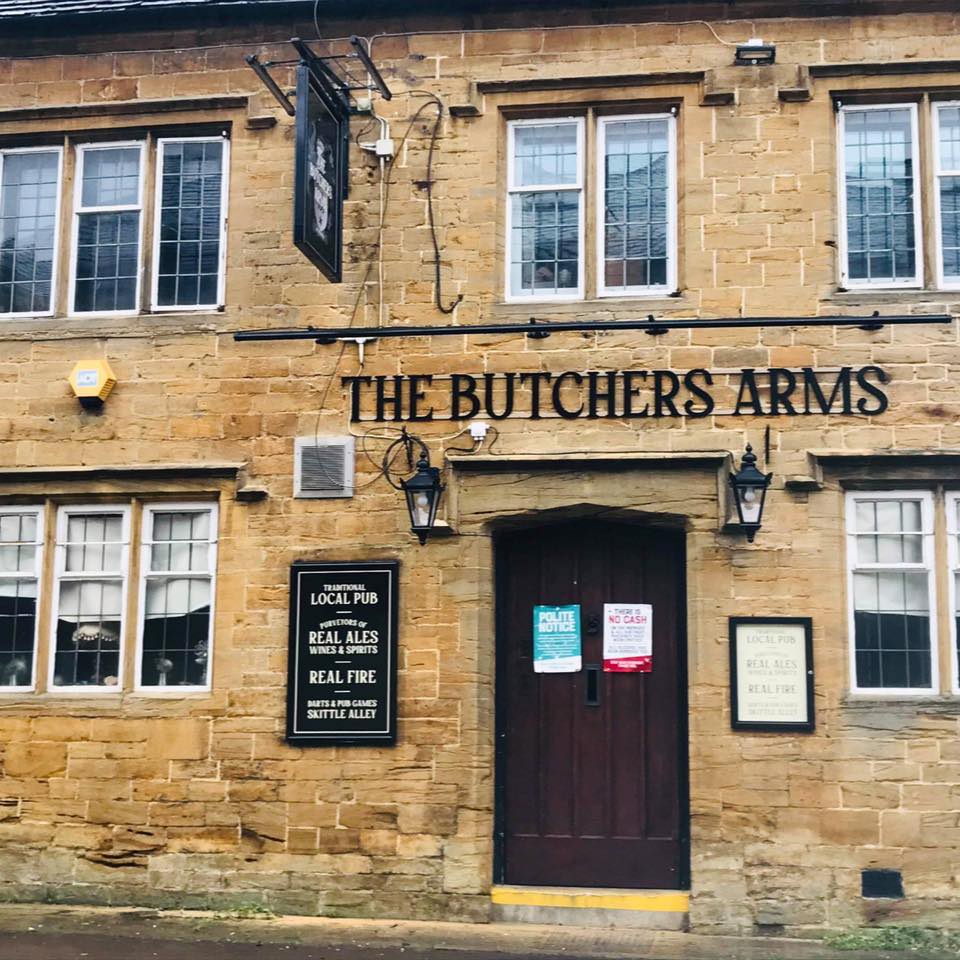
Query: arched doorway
(591, 765)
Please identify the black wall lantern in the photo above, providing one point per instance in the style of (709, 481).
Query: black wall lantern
(423, 491)
(749, 488)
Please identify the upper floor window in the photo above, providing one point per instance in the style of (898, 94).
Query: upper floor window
(549, 205)
(883, 238)
(112, 268)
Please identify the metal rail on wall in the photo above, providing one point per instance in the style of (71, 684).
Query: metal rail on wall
(538, 329)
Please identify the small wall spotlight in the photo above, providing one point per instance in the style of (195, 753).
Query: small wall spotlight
(755, 53)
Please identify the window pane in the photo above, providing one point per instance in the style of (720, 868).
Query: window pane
(546, 242)
(94, 543)
(878, 158)
(949, 118)
(111, 177)
(545, 154)
(176, 632)
(181, 542)
(28, 216)
(176, 628)
(636, 165)
(892, 629)
(108, 255)
(190, 219)
(88, 633)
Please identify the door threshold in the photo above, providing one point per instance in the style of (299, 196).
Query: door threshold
(591, 906)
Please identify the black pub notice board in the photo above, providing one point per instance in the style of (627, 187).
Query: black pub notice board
(342, 674)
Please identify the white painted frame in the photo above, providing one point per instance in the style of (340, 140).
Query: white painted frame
(82, 150)
(60, 574)
(917, 280)
(146, 549)
(952, 504)
(651, 290)
(513, 188)
(36, 511)
(57, 226)
(928, 565)
(938, 172)
(157, 208)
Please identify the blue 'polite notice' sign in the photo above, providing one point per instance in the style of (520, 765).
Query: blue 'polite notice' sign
(556, 639)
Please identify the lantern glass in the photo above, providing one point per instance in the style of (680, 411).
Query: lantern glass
(750, 502)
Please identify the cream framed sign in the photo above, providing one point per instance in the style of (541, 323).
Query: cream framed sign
(771, 674)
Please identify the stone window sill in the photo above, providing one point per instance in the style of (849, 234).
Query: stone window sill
(71, 328)
(601, 308)
(851, 297)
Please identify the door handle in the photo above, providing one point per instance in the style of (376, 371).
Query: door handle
(592, 686)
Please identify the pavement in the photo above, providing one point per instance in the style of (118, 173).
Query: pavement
(47, 932)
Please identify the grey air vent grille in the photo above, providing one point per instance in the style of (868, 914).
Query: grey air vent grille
(323, 467)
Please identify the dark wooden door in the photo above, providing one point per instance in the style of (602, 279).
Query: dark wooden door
(591, 795)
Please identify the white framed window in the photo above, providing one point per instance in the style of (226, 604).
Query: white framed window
(177, 574)
(545, 209)
(880, 232)
(891, 592)
(30, 184)
(637, 207)
(190, 219)
(21, 563)
(946, 169)
(105, 268)
(953, 559)
(92, 562)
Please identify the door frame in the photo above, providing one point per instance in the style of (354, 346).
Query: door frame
(500, 707)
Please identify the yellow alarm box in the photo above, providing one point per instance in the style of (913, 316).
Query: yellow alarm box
(92, 381)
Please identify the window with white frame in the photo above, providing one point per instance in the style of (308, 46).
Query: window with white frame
(92, 563)
(884, 164)
(633, 207)
(892, 617)
(545, 211)
(21, 548)
(100, 552)
(947, 190)
(179, 560)
(112, 268)
(880, 196)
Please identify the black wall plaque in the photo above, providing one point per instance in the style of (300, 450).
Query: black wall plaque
(342, 672)
(322, 157)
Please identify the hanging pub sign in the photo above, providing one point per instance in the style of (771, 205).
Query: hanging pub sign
(322, 158)
(771, 674)
(342, 668)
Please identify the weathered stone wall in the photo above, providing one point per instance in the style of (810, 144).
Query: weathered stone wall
(198, 801)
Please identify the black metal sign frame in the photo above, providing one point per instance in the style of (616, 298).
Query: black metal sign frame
(322, 171)
(803, 674)
(342, 664)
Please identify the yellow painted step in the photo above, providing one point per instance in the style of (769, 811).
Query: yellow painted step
(593, 898)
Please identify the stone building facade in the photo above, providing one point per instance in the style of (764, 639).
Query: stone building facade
(119, 787)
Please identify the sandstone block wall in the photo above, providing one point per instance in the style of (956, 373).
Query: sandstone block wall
(197, 801)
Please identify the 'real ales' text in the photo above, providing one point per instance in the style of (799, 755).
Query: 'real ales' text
(621, 394)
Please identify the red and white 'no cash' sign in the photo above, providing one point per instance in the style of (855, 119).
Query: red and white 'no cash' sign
(627, 638)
